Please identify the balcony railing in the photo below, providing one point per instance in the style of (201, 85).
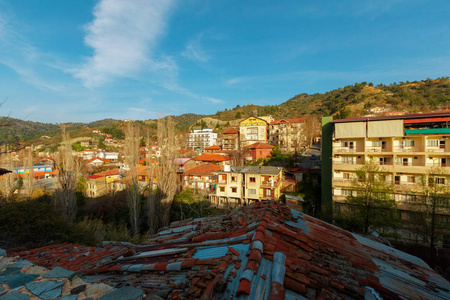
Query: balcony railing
(435, 149)
(438, 164)
(344, 162)
(350, 150)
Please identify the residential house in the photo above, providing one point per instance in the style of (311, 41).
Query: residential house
(218, 159)
(200, 177)
(86, 143)
(252, 130)
(258, 150)
(111, 156)
(230, 139)
(287, 134)
(213, 149)
(103, 183)
(237, 186)
(97, 161)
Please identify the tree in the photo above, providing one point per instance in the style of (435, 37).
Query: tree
(164, 173)
(370, 201)
(435, 202)
(311, 128)
(64, 198)
(132, 162)
(29, 174)
(7, 184)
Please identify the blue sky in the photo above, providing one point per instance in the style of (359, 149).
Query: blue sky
(70, 61)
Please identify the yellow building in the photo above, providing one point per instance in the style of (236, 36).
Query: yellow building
(236, 186)
(253, 130)
(102, 183)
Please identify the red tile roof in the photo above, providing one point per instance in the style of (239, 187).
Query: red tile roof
(231, 131)
(259, 146)
(262, 249)
(214, 147)
(211, 157)
(296, 120)
(104, 173)
(98, 158)
(203, 170)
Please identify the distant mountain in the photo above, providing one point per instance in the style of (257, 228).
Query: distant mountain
(350, 101)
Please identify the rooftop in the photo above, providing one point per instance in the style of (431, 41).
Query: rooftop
(214, 147)
(202, 170)
(231, 131)
(211, 157)
(296, 120)
(397, 117)
(259, 146)
(256, 252)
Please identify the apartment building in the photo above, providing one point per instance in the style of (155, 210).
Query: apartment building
(201, 138)
(411, 149)
(288, 134)
(253, 130)
(230, 139)
(237, 186)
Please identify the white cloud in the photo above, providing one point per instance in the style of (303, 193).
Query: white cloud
(123, 35)
(195, 52)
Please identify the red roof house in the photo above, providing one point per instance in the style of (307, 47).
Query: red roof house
(259, 150)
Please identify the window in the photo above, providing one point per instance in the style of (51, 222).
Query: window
(347, 192)
(411, 179)
(268, 193)
(432, 143)
(234, 190)
(440, 180)
(222, 189)
(347, 160)
(252, 179)
(442, 144)
(376, 143)
(346, 175)
(252, 191)
(233, 178)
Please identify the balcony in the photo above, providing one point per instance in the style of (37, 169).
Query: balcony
(409, 149)
(377, 149)
(438, 164)
(344, 150)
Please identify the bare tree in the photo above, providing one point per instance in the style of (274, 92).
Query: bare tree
(164, 172)
(311, 128)
(132, 162)
(8, 185)
(29, 174)
(64, 197)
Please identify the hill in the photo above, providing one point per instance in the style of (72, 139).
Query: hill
(350, 101)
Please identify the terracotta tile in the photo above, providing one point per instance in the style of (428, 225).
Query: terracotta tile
(244, 287)
(277, 291)
(294, 285)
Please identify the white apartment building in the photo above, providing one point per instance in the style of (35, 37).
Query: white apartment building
(201, 138)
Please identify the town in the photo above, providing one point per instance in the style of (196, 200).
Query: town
(367, 174)
(219, 150)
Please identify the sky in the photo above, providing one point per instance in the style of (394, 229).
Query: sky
(81, 61)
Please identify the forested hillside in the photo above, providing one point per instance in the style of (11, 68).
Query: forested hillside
(350, 101)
